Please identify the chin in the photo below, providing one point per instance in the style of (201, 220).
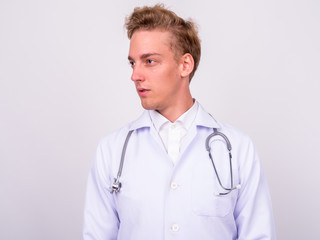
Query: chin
(148, 106)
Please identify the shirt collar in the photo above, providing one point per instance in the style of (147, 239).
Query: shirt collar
(185, 119)
(202, 118)
(157, 119)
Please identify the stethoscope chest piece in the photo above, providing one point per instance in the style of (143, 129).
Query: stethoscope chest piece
(116, 186)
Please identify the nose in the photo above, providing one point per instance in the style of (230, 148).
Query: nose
(137, 74)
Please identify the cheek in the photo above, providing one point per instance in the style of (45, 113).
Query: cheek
(170, 74)
(164, 79)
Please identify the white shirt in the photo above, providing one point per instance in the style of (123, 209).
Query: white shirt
(173, 134)
(161, 200)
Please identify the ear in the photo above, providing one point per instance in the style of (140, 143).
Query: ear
(187, 64)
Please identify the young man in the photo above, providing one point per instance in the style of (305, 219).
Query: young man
(154, 178)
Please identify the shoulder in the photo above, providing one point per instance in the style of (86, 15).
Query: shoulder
(118, 136)
(115, 136)
(243, 148)
(206, 120)
(233, 131)
(239, 140)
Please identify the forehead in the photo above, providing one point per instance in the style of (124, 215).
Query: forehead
(144, 41)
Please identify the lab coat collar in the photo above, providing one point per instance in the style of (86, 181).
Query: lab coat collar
(203, 119)
(143, 121)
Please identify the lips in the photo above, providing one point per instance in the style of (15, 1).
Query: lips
(143, 91)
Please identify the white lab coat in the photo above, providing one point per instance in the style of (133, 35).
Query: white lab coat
(159, 200)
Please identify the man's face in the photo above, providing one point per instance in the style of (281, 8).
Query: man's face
(156, 73)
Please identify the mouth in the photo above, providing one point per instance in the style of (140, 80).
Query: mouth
(143, 91)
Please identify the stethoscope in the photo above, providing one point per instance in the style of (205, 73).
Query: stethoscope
(116, 185)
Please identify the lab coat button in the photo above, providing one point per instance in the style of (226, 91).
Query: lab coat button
(175, 228)
(174, 185)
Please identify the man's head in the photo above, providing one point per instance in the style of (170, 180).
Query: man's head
(184, 34)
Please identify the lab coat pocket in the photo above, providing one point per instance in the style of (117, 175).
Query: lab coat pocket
(204, 199)
(212, 206)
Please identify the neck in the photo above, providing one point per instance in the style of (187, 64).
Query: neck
(179, 108)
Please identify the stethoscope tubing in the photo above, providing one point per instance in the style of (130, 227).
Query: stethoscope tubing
(116, 185)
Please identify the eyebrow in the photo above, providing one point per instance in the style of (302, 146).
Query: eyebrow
(143, 56)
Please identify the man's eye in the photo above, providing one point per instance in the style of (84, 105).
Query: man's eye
(149, 61)
(132, 64)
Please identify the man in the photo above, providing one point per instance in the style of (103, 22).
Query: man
(154, 179)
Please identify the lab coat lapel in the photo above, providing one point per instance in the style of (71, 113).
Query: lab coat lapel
(202, 119)
(145, 121)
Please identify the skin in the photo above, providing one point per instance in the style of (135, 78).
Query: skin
(161, 81)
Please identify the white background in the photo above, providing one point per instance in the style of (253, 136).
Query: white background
(65, 82)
